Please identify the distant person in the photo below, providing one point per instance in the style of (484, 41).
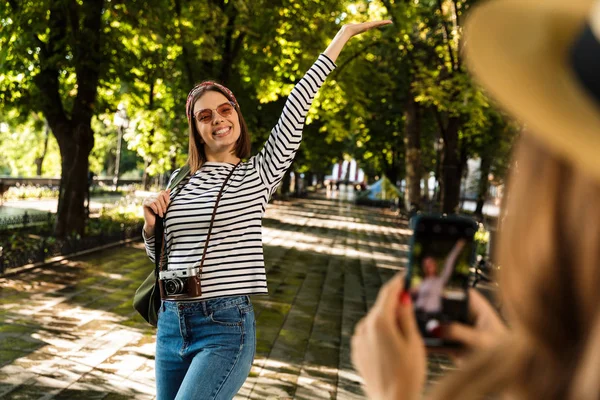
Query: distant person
(541, 61)
(205, 344)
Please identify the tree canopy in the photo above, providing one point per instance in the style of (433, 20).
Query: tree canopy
(66, 65)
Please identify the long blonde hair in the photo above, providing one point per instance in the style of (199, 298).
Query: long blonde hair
(549, 253)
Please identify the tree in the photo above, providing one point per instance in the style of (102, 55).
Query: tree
(493, 145)
(58, 49)
(40, 155)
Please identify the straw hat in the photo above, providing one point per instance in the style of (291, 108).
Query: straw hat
(541, 60)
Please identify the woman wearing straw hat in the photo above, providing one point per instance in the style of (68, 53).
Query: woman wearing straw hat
(541, 61)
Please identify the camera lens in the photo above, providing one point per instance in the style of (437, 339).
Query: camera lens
(173, 286)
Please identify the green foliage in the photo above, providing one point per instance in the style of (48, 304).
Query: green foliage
(154, 51)
(22, 143)
(30, 192)
(126, 212)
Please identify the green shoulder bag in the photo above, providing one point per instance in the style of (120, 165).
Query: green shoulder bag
(146, 300)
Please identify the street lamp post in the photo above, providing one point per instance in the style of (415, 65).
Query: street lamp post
(121, 120)
(438, 146)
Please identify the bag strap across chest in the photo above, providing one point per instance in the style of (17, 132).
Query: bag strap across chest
(160, 244)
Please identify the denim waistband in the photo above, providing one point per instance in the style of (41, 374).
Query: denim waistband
(206, 307)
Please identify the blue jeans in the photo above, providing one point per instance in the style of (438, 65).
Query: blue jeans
(204, 349)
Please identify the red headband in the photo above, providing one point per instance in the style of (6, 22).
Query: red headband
(194, 91)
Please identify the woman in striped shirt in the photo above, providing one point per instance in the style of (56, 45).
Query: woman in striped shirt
(205, 343)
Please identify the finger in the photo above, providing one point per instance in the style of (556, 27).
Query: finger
(154, 208)
(166, 193)
(479, 302)
(388, 296)
(478, 305)
(407, 321)
(157, 206)
(163, 202)
(359, 327)
(456, 355)
(462, 333)
(356, 353)
(167, 197)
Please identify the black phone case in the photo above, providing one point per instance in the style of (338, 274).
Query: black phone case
(430, 219)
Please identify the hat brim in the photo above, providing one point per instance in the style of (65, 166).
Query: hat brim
(519, 51)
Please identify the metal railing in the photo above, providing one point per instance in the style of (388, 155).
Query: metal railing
(44, 248)
(55, 181)
(25, 220)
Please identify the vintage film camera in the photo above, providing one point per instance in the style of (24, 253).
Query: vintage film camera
(180, 284)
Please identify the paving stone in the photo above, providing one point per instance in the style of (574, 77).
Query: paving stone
(26, 393)
(69, 331)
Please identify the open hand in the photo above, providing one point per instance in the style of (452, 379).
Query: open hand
(486, 331)
(387, 348)
(348, 31)
(357, 29)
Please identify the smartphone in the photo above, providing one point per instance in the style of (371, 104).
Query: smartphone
(442, 251)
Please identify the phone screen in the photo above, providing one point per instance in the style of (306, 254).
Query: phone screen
(442, 253)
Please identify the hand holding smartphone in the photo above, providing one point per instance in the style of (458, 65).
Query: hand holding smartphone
(441, 253)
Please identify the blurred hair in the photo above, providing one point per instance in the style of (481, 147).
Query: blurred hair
(196, 154)
(549, 253)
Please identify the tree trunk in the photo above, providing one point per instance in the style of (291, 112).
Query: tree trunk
(451, 168)
(309, 177)
(297, 184)
(73, 183)
(231, 47)
(426, 188)
(39, 161)
(285, 183)
(145, 176)
(320, 179)
(484, 184)
(73, 131)
(186, 47)
(412, 143)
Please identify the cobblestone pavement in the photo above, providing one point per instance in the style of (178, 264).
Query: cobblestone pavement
(69, 331)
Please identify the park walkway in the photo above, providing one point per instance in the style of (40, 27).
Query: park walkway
(69, 331)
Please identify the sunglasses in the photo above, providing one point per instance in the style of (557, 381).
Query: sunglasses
(205, 116)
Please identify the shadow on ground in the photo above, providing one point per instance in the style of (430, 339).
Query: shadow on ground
(69, 331)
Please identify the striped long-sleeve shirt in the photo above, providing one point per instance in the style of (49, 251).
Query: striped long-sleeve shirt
(234, 263)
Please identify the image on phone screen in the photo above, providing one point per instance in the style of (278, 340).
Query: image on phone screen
(442, 253)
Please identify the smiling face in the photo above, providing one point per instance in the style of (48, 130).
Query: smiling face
(220, 134)
(429, 267)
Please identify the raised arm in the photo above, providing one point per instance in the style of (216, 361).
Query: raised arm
(451, 260)
(278, 153)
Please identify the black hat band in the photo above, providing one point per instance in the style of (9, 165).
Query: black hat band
(585, 60)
